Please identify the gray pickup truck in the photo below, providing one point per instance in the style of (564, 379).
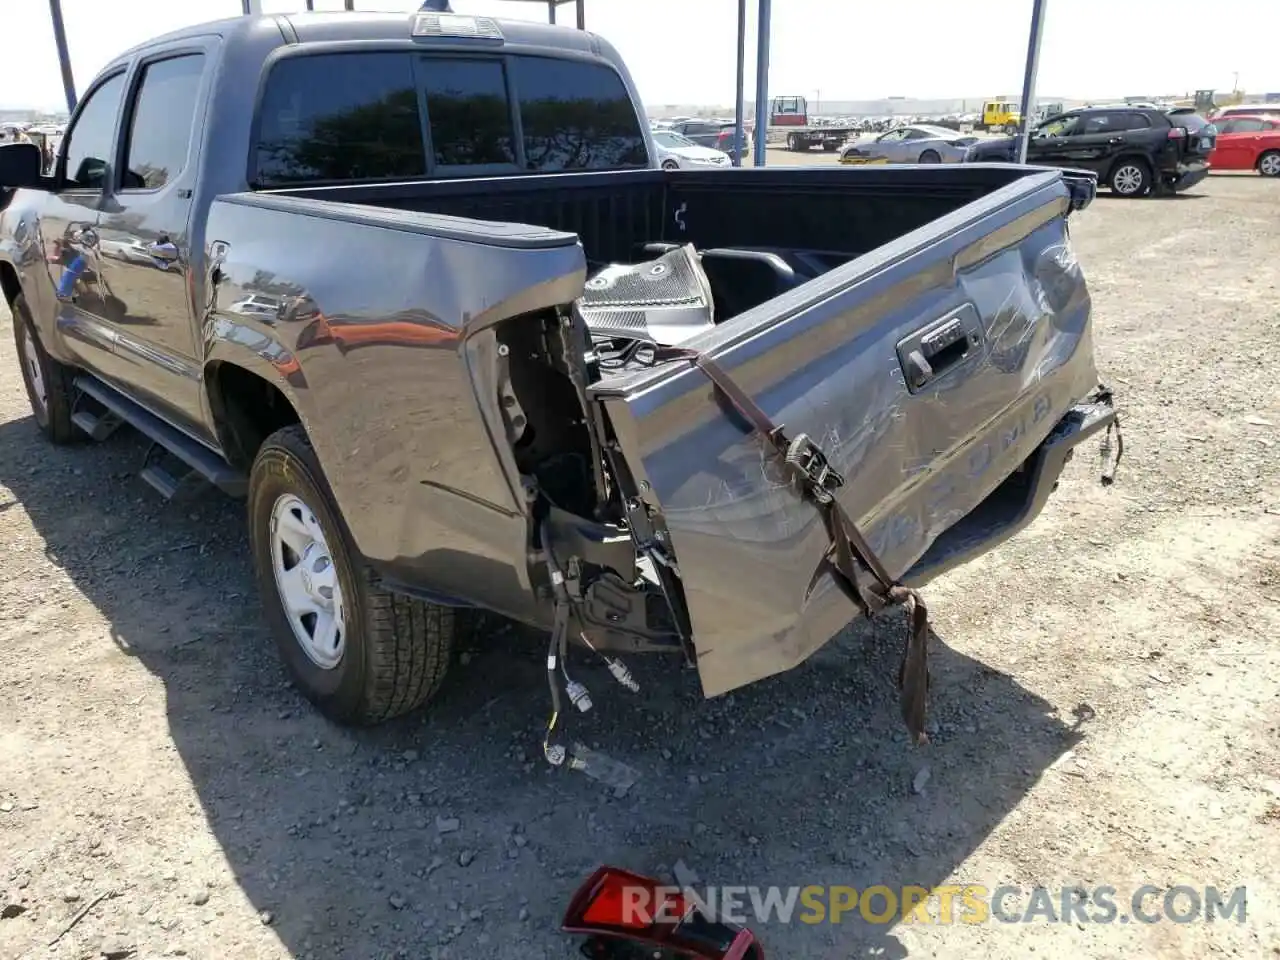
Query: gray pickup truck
(414, 287)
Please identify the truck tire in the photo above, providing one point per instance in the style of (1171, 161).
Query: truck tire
(360, 653)
(1269, 164)
(1010, 129)
(793, 142)
(50, 384)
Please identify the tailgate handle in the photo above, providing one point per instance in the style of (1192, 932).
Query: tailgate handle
(939, 347)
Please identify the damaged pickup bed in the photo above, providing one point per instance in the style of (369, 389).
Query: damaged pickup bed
(690, 433)
(714, 414)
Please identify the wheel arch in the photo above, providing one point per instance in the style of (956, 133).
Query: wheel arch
(247, 405)
(10, 285)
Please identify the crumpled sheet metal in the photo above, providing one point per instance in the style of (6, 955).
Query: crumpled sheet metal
(914, 463)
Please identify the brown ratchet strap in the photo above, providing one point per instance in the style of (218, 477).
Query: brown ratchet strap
(859, 572)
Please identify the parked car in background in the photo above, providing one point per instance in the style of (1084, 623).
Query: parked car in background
(923, 143)
(1248, 143)
(716, 134)
(1133, 150)
(676, 152)
(1271, 110)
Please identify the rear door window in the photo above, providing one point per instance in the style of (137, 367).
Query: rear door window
(160, 127)
(1132, 121)
(577, 116)
(339, 117)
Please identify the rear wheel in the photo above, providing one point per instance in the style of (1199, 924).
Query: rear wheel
(930, 156)
(1130, 178)
(49, 384)
(670, 165)
(793, 142)
(360, 653)
(1269, 164)
(1011, 129)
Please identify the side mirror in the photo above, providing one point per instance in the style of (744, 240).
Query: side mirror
(21, 165)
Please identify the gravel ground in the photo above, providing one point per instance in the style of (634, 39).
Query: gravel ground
(1104, 695)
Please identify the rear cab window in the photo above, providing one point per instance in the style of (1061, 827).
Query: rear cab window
(392, 115)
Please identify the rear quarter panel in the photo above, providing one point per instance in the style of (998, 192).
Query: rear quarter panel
(375, 323)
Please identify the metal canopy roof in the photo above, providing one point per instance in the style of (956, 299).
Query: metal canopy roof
(764, 12)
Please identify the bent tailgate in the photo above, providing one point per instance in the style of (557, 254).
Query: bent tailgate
(832, 359)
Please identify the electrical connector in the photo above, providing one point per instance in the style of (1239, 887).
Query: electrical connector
(623, 675)
(578, 695)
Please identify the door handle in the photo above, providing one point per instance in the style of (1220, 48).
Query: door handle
(165, 251)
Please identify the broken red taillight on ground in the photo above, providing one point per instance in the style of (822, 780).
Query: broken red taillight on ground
(627, 915)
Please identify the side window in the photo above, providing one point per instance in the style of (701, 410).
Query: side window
(1100, 123)
(1067, 126)
(578, 116)
(339, 117)
(1247, 126)
(159, 133)
(468, 110)
(1133, 121)
(88, 142)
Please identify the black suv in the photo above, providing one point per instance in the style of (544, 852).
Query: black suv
(1133, 150)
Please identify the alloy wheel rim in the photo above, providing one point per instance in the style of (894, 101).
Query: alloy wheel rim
(1271, 165)
(307, 581)
(31, 357)
(1128, 179)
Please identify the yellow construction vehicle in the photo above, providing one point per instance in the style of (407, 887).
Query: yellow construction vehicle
(1001, 115)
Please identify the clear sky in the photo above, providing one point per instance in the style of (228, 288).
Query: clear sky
(682, 51)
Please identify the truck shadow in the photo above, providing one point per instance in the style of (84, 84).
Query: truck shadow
(446, 827)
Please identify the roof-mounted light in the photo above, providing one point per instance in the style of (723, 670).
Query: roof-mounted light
(456, 25)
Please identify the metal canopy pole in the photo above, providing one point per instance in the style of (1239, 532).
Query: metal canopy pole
(582, 14)
(1029, 77)
(762, 82)
(64, 58)
(740, 105)
(251, 7)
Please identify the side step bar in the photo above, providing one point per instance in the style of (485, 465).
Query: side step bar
(202, 463)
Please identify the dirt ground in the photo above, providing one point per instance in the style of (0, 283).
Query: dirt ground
(1105, 701)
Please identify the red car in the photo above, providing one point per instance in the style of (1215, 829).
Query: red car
(1247, 143)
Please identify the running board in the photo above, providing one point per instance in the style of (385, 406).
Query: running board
(202, 463)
